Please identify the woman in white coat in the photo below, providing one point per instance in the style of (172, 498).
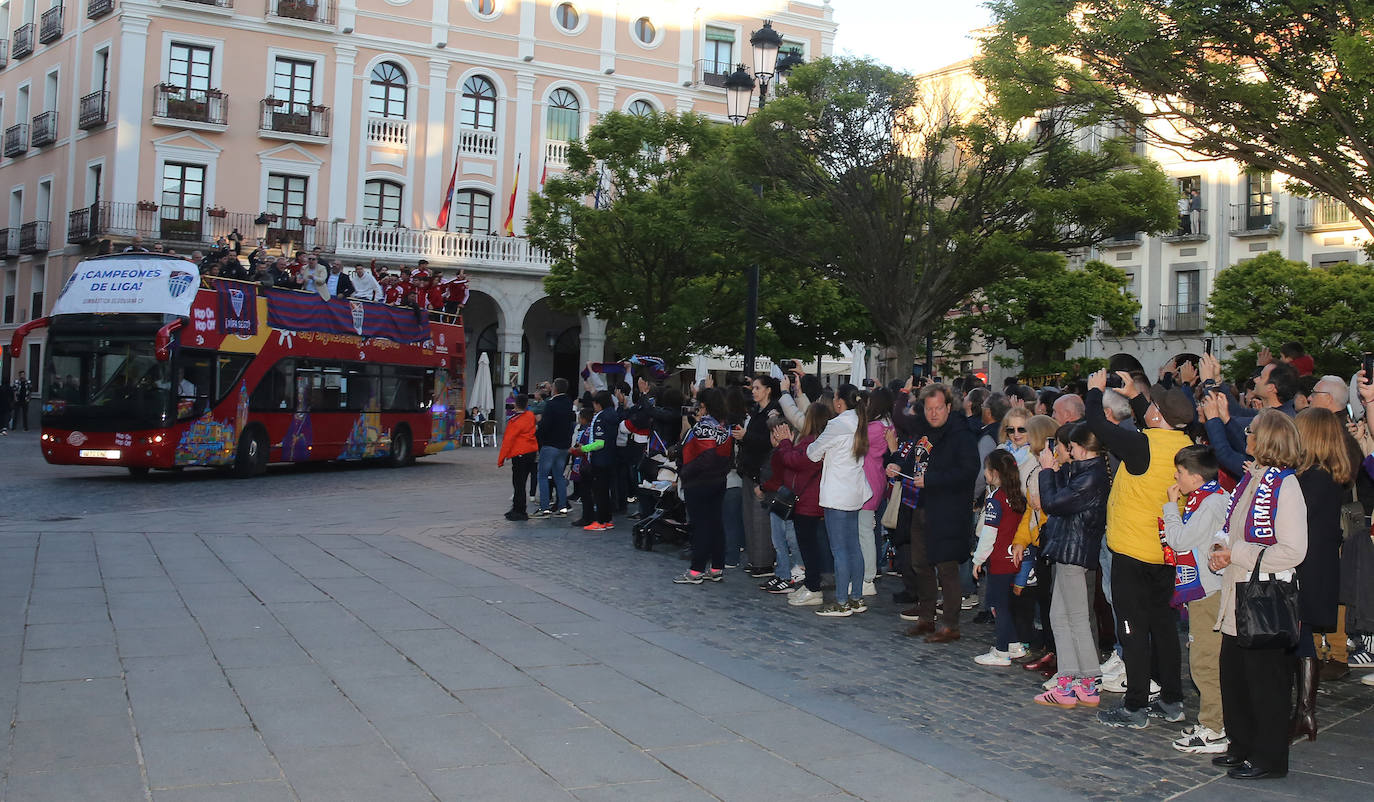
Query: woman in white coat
(841, 449)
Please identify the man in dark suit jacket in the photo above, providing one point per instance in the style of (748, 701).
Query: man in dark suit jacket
(555, 434)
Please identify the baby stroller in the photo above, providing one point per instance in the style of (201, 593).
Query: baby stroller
(668, 521)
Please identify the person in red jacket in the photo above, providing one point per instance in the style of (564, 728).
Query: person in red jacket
(804, 477)
(520, 446)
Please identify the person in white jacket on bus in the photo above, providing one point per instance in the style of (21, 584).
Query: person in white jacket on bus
(365, 286)
(844, 488)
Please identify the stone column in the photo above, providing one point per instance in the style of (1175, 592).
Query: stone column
(341, 139)
(124, 171)
(435, 178)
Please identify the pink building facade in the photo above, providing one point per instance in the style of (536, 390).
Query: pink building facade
(339, 123)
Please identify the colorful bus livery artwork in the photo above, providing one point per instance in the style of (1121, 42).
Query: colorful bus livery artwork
(146, 372)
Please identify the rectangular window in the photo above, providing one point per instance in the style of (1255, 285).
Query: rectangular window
(1187, 289)
(293, 83)
(188, 67)
(720, 49)
(275, 391)
(183, 191)
(38, 279)
(42, 208)
(1259, 200)
(16, 207)
(11, 282)
(1187, 184)
(286, 197)
(50, 92)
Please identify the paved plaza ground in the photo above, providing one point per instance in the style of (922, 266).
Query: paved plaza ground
(356, 633)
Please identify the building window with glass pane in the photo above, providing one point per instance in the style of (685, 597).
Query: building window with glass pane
(720, 50)
(472, 211)
(388, 96)
(183, 191)
(478, 109)
(645, 31)
(564, 116)
(286, 199)
(1259, 206)
(567, 17)
(641, 108)
(188, 67)
(382, 203)
(293, 83)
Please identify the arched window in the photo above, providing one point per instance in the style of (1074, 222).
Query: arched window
(388, 97)
(567, 16)
(382, 203)
(565, 116)
(478, 111)
(641, 108)
(472, 211)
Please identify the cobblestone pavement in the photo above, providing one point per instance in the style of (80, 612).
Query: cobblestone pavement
(371, 634)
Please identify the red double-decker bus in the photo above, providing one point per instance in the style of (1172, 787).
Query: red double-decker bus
(149, 366)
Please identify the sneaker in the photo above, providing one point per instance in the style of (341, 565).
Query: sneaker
(798, 573)
(1015, 650)
(1171, 712)
(993, 657)
(1085, 689)
(608, 525)
(835, 610)
(910, 615)
(857, 606)
(870, 589)
(1124, 717)
(1114, 666)
(775, 585)
(1367, 679)
(1061, 695)
(1200, 740)
(1117, 684)
(689, 577)
(758, 571)
(594, 527)
(516, 516)
(801, 597)
(540, 513)
(969, 602)
(563, 511)
(1361, 658)
(716, 574)
(732, 565)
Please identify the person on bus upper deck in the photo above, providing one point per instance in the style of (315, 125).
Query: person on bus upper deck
(337, 282)
(365, 287)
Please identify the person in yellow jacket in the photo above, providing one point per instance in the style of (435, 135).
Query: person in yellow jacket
(1142, 578)
(519, 445)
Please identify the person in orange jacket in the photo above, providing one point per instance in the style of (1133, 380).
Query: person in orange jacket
(519, 445)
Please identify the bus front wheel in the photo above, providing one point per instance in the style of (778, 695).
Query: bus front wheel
(251, 458)
(138, 471)
(400, 450)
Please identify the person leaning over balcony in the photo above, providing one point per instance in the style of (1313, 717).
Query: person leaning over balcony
(1142, 581)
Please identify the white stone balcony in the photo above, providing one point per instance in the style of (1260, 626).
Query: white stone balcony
(556, 153)
(443, 248)
(477, 143)
(388, 132)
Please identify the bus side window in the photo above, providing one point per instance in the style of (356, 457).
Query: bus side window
(401, 389)
(231, 367)
(427, 397)
(363, 384)
(275, 391)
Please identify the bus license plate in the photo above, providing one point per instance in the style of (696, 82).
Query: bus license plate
(97, 453)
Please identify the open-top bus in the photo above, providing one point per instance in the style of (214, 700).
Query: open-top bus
(151, 366)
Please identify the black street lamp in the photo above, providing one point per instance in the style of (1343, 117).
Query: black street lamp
(739, 93)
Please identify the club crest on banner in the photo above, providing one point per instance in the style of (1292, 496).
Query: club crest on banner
(179, 282)
(236, 301)
(359, 312)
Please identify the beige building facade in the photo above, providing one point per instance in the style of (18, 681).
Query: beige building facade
(339, 123)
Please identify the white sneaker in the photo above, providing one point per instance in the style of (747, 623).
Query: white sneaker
(804, 598)
(869, 589)
(1367, 679)
(993, 657)
(1114, 665)
(798, 573)
(969, 602)
(1200, 740)
(1016, 650)
(1117, 684)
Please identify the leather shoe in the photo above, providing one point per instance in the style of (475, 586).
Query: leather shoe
(921, 628)
(1249, 771)
(943, 635)
(1228, 761)
(1040, 665)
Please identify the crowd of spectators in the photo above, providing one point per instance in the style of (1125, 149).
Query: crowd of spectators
(1082, 520)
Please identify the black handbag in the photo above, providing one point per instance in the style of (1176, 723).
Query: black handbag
(784, 503)
(1266, 611)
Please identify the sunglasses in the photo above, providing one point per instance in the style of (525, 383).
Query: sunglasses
(1248, 432)
(1015, 430)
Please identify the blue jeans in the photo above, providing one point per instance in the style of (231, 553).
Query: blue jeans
(843, 528)
(551, 461)
(784, 545)
(732, 523)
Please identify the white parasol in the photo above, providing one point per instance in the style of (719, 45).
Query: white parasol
(858, 358)
(479, 391)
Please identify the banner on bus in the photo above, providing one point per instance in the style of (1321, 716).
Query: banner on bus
(159, 286)
(238, 308)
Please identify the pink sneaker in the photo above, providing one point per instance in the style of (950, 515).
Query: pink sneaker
(1085, 690)
(1061, 695)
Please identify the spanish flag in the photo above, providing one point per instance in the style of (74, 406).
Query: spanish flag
(510, 210)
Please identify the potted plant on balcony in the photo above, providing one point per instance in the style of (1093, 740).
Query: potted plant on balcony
(181, 106)
(265, 218)
(306, 10)
(309, 221)
(147, 206)
(216, 211)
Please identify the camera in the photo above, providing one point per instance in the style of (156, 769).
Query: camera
(787, 365)
(1114, 381)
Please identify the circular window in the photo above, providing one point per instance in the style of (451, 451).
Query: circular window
(484, 8)
(645, 30)
(566, 16)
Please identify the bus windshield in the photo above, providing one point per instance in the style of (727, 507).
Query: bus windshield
(105, 383)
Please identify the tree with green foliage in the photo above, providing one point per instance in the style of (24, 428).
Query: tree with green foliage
(1043, 314)
(889, 187)
(1279, 85)
(1330, 311)
(644, 234)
